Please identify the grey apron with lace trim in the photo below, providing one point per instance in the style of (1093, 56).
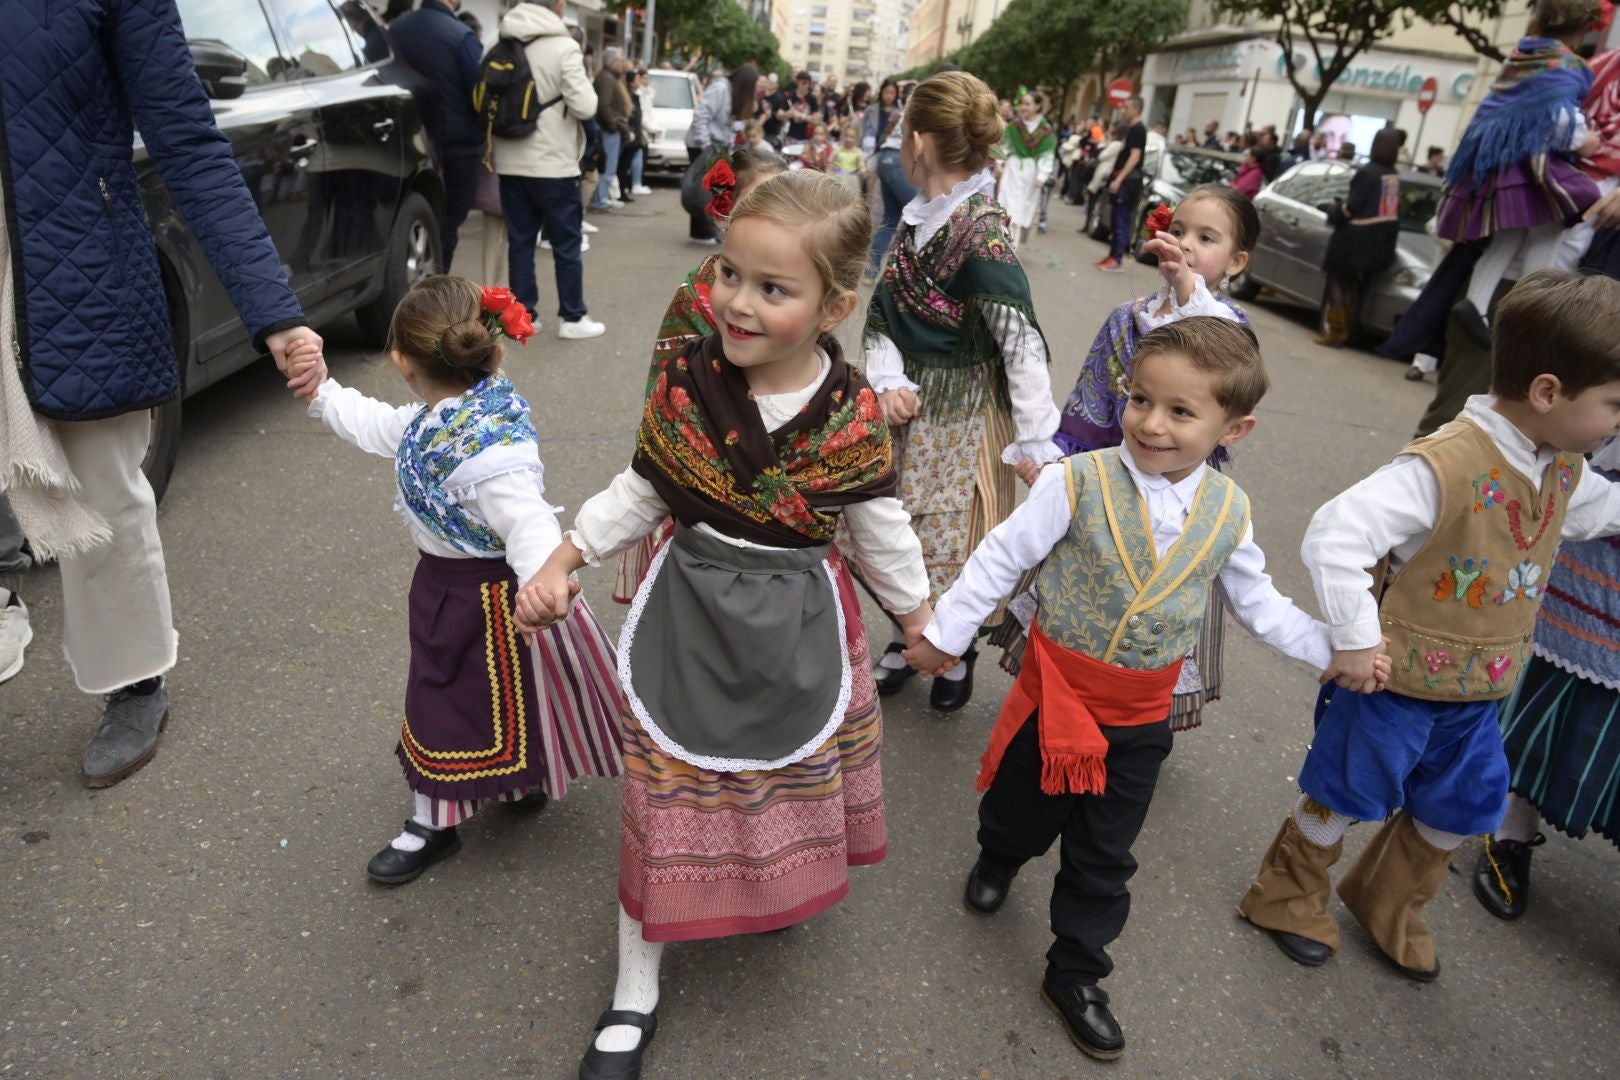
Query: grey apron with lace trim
(734, 658)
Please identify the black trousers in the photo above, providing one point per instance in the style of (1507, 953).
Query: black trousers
(460, 185)
(1018, 822)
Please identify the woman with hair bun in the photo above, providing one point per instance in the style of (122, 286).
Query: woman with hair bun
(471, 489)
(953, 349)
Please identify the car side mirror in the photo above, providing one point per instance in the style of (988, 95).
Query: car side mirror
(222, 69)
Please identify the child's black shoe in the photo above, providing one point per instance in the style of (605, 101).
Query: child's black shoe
(987, 887)
(391, 866)
(1502, 875)
(1084, 1011)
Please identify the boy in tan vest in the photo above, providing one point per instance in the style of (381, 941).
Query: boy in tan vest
(1462, 530)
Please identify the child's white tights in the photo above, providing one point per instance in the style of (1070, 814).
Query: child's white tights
(1538, 246)
(637, 988)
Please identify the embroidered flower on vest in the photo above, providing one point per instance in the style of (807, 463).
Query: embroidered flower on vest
(1521, 583)
(1466, 580)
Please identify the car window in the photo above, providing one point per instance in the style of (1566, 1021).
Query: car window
(1189, 170)
(1419, 203)
(672, 93)
(1315, 183)
(316, 37)
(241, 25)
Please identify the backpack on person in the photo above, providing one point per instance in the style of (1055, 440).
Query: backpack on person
(505, 94)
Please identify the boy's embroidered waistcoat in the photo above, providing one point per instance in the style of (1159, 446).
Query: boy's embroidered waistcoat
(1461, 614)
(1103, 589)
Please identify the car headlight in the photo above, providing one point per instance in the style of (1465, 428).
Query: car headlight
(679, 135)
(1411, 277)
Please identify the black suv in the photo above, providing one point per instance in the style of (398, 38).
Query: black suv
(328, 137)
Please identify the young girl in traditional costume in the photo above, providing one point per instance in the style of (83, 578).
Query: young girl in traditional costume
(487, 716)
(1514, 178)
(690, 317)
(1206, 239)
(1031, 156)
(953, 349)
(752, 730)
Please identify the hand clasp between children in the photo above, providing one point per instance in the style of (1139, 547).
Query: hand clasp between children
(544, 600)
(1363, 671)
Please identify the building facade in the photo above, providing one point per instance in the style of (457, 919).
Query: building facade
(856, 40)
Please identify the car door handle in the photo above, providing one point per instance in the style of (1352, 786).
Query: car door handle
(384, 128)
(304, 147)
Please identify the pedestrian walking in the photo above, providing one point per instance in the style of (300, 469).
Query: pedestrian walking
(954, 351)
(1125, 185)
(1077, 747)
(446, 52)
(471, 485)
(540, 173)
(1366, 228)
(85, 327)
(1031, 155)
(725, 107)
(880, 139)
(750, 699)
(613, 109)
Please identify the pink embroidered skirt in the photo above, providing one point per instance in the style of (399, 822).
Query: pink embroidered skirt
(705, 854)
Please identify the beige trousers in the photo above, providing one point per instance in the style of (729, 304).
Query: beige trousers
(117, 626)
(495, 256)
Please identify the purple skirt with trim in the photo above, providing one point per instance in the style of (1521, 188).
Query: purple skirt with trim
(1535, 192)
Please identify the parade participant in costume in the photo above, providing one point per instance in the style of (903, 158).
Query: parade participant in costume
(752, 730)
(1207, 239)
(1031, 155)
(1462, 526)
(1561, 727)
(690, 317)
(1128, 541)
(1514, 178)
(954, 351)
(470, 487)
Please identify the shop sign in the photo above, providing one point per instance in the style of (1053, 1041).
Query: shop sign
(1397, 78)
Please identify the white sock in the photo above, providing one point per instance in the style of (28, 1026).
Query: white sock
(409, 841)
(1444, 841)
(637, 988)
(1322, 833)
(1521, 822)
(1492, 267)
(1426, 363)
(957, 673)
(893, 661)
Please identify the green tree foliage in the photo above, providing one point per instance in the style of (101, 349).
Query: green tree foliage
(711, 33)
(1327, 35)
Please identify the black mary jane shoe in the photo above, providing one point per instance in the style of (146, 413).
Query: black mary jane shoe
(1091, 1026)
(949, 695)
(618, 1064)
(391, 866)
(1502, 875)
(532, 803)
(987, 887)
(1301, 950)
(1472, 320)
(890, 680)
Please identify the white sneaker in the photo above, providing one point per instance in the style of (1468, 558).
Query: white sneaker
(15, 634)
(641, 189)
(584, 244)
(580, 329)
(587, 228)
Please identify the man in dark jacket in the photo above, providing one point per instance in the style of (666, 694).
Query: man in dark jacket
(613, 117)
(88, 327)
(447, 53)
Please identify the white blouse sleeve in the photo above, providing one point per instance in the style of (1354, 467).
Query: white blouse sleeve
(374, 426)
(1266, 613)
(1201, 302)
(888, 553)
(1594, 508)
(1029, 384)
(515, 506)
(1022, 541)
(885, 367)
(1044, 166)
(612, 520)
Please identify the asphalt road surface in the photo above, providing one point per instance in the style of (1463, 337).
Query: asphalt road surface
(210, 917)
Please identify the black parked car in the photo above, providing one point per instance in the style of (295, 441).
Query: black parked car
(328, 137)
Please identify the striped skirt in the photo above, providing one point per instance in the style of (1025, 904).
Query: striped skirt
(705, 854)
(1562, 736)
(1536, 192)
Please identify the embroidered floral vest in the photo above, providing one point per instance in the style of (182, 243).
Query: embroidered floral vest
(1461, 614)
(1103, 589)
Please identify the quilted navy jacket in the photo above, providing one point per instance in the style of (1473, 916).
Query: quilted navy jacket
(92, 323)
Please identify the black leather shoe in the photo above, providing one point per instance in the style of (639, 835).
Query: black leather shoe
(532, 803)
(618, 1064)
(987, 887)
(889, 680)
(391, 866)
(1473, 320)
(1502, 875)
(1091, 1026)
(1413, 973)
(1301, 950)
(947, 695)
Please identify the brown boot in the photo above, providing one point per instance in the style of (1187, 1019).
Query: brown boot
(1338, 327)
(1289, 899)
(1395, 876)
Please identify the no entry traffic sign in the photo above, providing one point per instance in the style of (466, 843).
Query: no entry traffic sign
(1120, 91)
(1426, 96)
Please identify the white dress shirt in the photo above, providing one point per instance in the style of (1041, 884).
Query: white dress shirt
(885, 548)
(504, 486)
(1029, 381)
(1395, 510)
(1030, 533)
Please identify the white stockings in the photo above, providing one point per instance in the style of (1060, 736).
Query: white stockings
(637, 988)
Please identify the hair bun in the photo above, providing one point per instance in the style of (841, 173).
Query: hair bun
(983, 124)
(468, 344)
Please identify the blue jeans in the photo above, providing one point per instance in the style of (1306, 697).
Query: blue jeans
(611, 141)
(558, 203)
(1124, 215)
(638, 166)
(897, 191)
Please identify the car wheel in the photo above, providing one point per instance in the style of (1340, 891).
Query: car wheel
(414, 253)
(1243, 287)
(162, 447)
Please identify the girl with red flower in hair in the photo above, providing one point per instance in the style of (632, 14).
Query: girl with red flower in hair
(488, 715)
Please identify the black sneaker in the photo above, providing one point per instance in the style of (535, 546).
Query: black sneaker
(1502, 875)
(391, 866)
(1091, 1026)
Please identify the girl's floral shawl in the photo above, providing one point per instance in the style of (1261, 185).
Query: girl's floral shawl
(689, 318)
(704, 448)
(1024, 143)
(1518, 119)
(929, 305)
(490, 414)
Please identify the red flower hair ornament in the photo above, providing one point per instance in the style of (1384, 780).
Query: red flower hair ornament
(1159, 220)
(505, 317)
(721, 184)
